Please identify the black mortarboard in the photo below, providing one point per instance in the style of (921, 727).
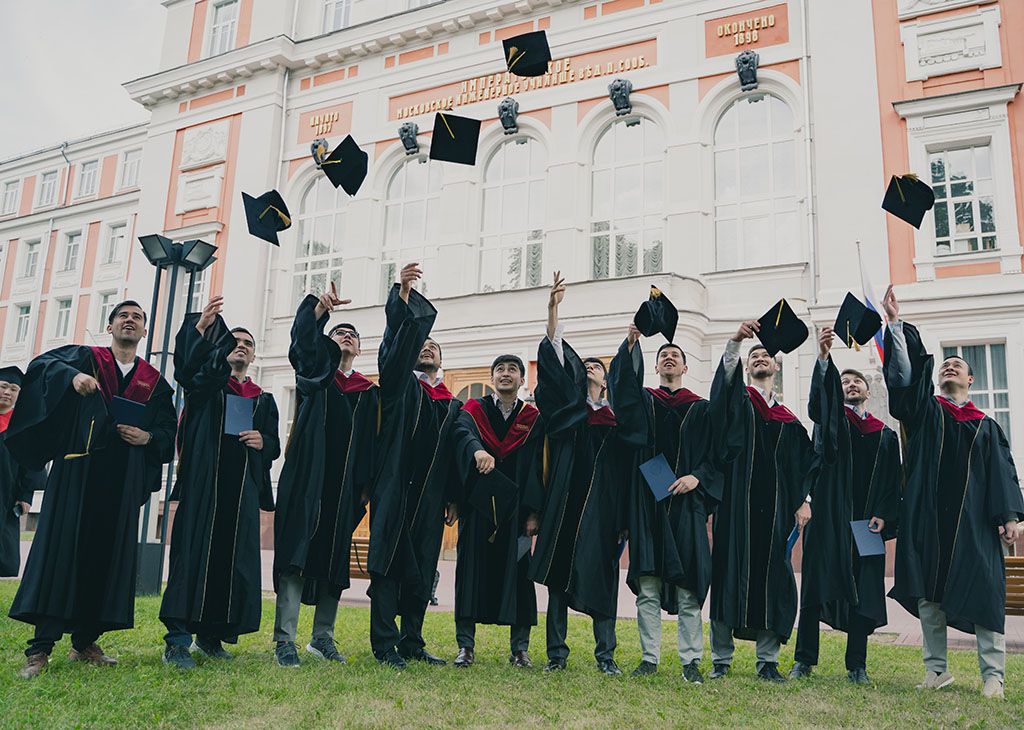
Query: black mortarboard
(346, 166)
(493, 495)
(454, 139)
(908, 198)
(781, 330)
(12, 375)
(266, 215)
(657, 314)
(527, 54)
(856, 324)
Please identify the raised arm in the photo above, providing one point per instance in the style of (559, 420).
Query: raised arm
(907, 368)
(201, 350)
(312, 354)
(410, 318)
(825, 403)
(561, 391)
(626, 393)
(728, 396)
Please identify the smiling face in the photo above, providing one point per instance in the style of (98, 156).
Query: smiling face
(671, 362)
(760, 364)
(429, 360)
(8, 395)
(128, 324)
(955, 372)
(855, 389)
(506, 378)
(245, 351)
(346, 338)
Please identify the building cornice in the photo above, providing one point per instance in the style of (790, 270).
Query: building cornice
(75, 147)
(87, 207)
(957, 101)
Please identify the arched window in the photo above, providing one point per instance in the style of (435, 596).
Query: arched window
(412, 219)
(321, 228)
(755, 184)
(627, 201)
(515, 206)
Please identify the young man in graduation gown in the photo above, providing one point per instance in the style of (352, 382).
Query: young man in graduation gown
(414, 480)
(961, 506)
(326, 478)
(766, 454)
(590, 450)
(214, 577)
(81, 571)
(498, 441)
(17, 483)
(857, 474)
(669, 551)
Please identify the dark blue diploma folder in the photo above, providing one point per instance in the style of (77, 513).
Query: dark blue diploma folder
(868, 543)
(126, 412)
(237, 414)
(659, 476)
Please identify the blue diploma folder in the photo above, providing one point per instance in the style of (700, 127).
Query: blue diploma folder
(126, 412)
(791, 540)
(868, 543)
(237, 414)
(523, 545)
(658, 475)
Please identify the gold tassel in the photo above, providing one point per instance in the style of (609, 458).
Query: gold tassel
(512, 50)
(494, 512)
(778, 317)
(88, 443)
(446, 124)
(287, 221)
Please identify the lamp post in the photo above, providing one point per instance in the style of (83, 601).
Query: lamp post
(192, 256)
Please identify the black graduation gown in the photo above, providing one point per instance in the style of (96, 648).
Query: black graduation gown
(328, 464)
(589, 455)
(856, 475)
(17, 484)
(961, 485)
(492, 585)
(214, 577)
(669, 539)
(81, 569)
(752, 583)
(414, 478)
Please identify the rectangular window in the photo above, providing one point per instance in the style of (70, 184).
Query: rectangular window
(10, 200)
(991, 390)
(62, 324)
(87, 172)
(48, 188)
(130, 164)
(964, 211)
(198, 300)
(72, 247)
(336, 14)
(223, 26)
(115, 243)
(30, 264)
(107, 302)
(23, 318)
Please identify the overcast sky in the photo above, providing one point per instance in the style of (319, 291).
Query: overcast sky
(64, 63)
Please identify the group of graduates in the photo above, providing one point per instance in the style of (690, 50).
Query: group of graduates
(549, 493)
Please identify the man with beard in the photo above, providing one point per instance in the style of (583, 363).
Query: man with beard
(590, 452)
(213, 584)
(81, 571)
(961, 504)
(498, 453)
(857, 477)
(17, 483)
(766, 455)
(413, 486)
(669, 552)
(326, 479)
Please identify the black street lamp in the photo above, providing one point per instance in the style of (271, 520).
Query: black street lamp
(192, 256)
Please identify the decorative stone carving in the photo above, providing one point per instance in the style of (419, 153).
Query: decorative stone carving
(407, 133)
(508, 113)
(951, 45)
(320, 150)
(746, 69)
(619, 91)
(204, 145)
(963, 42)
(199, 190)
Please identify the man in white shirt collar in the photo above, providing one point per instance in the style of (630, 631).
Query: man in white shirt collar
(760, 365)
(428, 365)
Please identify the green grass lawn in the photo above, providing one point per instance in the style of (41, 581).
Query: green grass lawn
(251, 691)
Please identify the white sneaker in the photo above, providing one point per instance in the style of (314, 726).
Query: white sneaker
(993, 688)
(934, 680)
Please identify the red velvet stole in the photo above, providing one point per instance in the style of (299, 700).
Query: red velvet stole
(778, 412)
(866, 425)
(436, 392)
(354, 383)
(246, 388)
(517, 434)
(602, 416)
(967, 412)
(143, 380)
(673, 400)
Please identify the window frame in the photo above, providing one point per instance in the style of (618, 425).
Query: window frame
(956, 347)
(31, 248)
(101, 304)
(15, 199)
(80, 178)
(124, 166)
(394, 252)
(40, 203)
(58, 311)
(330, 9)
(307, 265)
(211, 30)
(22, 312)
(106, 261)
(70, 237)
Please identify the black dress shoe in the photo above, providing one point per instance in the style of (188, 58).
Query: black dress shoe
(644, 669)
(422, 655)
(609, 667)
(858, 676)
(465, 658)
(718, 671)
(800, 670)
(555, 665)
(520, 659)
(770, 673)
(391, 658)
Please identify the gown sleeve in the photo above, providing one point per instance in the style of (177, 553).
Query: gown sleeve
(271, 450)
(163, 427)
(824, 406)
(910, 402)
(313, 355)
(1003, 501)
(626, 395)
(201, 360)
(408, 326)
(561, 391)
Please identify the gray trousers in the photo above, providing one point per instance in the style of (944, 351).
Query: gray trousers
(286, 616)
(722, 646)
(991, 645)
(689, 636)
(518, 636)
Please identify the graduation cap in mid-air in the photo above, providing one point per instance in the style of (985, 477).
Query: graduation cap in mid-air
(266, 215)
(494, 496)
(11, 374)
(346, 166)
(657, 314)
(527, 54)
(454, 139)
(908, 198)
(856, 323)
(781, 330)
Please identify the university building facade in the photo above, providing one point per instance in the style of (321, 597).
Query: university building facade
(726, 195)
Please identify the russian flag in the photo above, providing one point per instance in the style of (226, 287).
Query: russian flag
(873, 303)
